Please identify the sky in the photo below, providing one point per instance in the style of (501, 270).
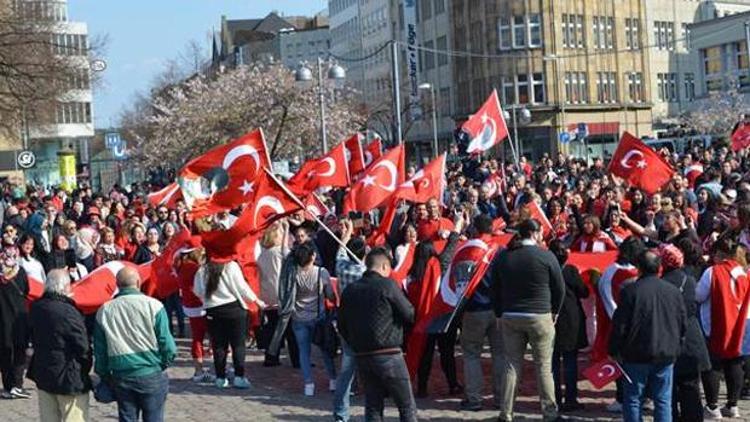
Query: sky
(144, 34)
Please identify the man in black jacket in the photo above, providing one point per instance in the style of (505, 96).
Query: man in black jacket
(647, 331)
(372, 317)
(529, 291)
(62, 359)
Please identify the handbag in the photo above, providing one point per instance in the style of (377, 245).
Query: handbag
(325, 334)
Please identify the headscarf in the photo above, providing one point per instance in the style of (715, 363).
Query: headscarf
(671, 256)
(9, 263)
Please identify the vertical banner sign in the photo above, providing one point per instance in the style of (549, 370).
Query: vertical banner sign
(412, 59)
(67, 170)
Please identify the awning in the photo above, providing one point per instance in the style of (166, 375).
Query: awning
(600, 128)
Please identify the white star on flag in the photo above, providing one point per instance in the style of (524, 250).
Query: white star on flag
(485, 117)
(368, 180)
(641, 164)
(246, 187)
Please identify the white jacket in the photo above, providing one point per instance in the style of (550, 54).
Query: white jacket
(232, 287)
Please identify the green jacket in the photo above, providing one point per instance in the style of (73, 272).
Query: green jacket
(131, 337)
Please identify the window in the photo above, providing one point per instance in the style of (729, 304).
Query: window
(597, 33)
(535, 31)
(445, 101)
(667, 87)
(439, 7)
(505, 33)
(689, 86)
(603, 32)
(509, 91)
(610, 38)
(741, 63)
(522, 83)
(568, 31)
(73, 112)
(606, 87)
(580, 32)
(576, 89)
(519, 32)
(426, 9)
(686, 36)
(537, 85)
(442, 45)
(632, 33)
(664, 35)
(429, 55)
(660, 86)
(712, 68)
(635, 87)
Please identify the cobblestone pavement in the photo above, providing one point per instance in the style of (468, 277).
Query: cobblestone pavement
(276, 395)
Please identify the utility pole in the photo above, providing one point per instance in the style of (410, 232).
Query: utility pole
(396, 93)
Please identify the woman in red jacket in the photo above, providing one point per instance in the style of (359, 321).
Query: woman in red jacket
(592, 238)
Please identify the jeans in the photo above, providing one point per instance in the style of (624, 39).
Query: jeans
(539, 332)
(141, 396)
(344, 384)
(570, 375)
(303, 332)
(227, 325)
(173, 306)
(386, 375)
(477, 326)
(658, 380)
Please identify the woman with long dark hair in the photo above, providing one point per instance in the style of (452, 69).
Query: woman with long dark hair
(222, 288)
(592, 238)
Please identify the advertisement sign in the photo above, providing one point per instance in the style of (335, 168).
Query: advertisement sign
(67, 170)
(412, 58)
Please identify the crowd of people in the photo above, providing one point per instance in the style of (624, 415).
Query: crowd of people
(670, 310)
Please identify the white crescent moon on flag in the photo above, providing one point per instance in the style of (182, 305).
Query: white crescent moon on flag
(484, 139)
(417, 175)
(267, 201)
(368, 158)
(607, 371)
(331, 167)
(628, 155)
(238, 152)
(312, 209)
(392, 171)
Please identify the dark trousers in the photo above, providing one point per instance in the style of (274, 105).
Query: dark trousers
(12, 365)
(733, 376)
(227, 326)
(141, 396)
(386, 375)
(686, 399)
(446, 344)
(268, 326)
(173, 306)
(569, 374)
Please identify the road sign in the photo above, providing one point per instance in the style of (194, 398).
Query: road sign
(564, 137)
(112, 140)
(120, 152)
(26, 159)
(583, 130)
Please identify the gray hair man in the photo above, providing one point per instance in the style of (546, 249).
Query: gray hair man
(62, 359)
(133, 347)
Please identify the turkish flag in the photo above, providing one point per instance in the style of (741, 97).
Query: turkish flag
(223, 178)
(373, 151)
(486, 127)
(330, 170)
(741, 137)
(602, 373)
(100, 285)
(639, 165)
(355, 154)
(167, 196)
(587, 261)
(536, 213)
(693, 172)
(164, 279)
(36, 288)
(378, 182)
(428, 182)
(400, 271)
(315, 207)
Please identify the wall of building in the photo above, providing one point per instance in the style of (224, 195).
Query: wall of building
(303, 46)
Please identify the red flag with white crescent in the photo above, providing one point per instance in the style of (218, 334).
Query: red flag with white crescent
(164, 279)
(640, 165)
(600, 374)
(486, 127)
(741, 137)
(379, 182)
(167, 196)
(536, 213)
(427, 183)
(355, 154)
(373, 151)
(100, 285)
(329, 171)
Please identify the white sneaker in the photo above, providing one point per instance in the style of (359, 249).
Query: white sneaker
(730, 412)
(309, 390)
(332, 386)
(614, 407)
(711, 414)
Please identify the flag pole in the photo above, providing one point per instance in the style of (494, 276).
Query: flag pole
(624, 374)
(301, 204)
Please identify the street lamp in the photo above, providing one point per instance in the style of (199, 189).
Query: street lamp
(524, 119)
(426, 86)
(335, 72)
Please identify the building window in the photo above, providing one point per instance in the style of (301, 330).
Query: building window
(519, 32)
(635, 87)
(505, 34)
(576, 88)
(580, 32)
(535, 31)
(686, 36)
(604, 32)
(606, 87)
(664, 35)
(509, 91)
(741, 64)
(429, 55)
(667, 86)
(442, 45)
(522, 85)
(445, 101)
(712, 68)
(439, 6)
(689, 86)
(426, 9)
(632, 33)
(73, 113)
(537, 84)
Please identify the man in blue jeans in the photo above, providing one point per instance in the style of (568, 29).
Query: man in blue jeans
(132, 348)
(647, 331)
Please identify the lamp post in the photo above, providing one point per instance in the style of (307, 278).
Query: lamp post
(525, 118)
(335, 72)
(558, 92)
(429, 86)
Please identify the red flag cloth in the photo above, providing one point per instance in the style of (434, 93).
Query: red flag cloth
(224, 177)
(586, 261)
(692, 172)
(498, 225)
(602, 373)
(427, 183)
(486, 127)
(536, 213)
(315, 207)
(355, 154)
(608, 289)
(741, 137)
(378, 182)
(167, 196)
(730, 294)
(373, 151)
(421, 294)
(639, 165)
(100, 285)
(404, 261)
(330, 170)
(379, 235)
(36, 288)
(164, 279)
